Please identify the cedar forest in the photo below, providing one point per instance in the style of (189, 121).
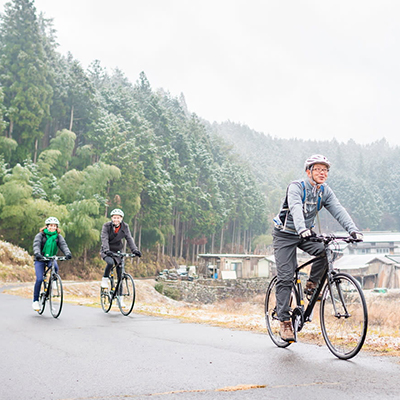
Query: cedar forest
(75, 143)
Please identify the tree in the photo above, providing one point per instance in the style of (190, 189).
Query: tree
(23, 76)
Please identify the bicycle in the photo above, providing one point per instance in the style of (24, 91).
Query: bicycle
(123, 291)
(343, 309)
(51, 289)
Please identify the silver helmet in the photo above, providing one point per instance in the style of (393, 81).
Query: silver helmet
(117, 211)
(316, 159)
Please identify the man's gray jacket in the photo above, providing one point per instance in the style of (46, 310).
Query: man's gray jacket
(296, 216)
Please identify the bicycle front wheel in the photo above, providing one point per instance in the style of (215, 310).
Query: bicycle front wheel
(56, 295)
(344, 316)
(126, 299)
(42, 298)
(271, 316)
(105, 297)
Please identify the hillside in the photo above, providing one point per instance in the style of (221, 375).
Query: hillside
(16, 265)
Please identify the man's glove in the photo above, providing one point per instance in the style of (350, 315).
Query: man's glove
(306, 234)
(137, 253)
(68, 256)
(38, 257)
(109, 253)
(357, 236)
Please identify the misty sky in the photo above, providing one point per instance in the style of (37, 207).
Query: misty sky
(305, 69)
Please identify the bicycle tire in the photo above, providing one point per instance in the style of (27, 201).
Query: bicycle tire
(271, 317)
(345, 332)
(56, 295)
(128, 294)
(105, 297)
(42, 298)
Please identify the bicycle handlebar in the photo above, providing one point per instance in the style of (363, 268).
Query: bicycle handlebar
(119, 254)
(58, 258)
(328, 238)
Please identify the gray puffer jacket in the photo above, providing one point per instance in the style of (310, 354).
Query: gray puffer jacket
(40, 240)
(296, 216)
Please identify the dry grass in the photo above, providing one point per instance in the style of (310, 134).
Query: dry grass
(384, 314)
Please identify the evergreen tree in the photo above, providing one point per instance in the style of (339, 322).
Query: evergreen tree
(23, 76)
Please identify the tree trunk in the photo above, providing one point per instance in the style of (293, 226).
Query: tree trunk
(71, 121)
(221, 241)
(10, 131)
(35, 152)
(182, 236)
(177, 219)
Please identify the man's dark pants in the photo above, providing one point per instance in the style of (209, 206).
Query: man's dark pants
(285, 251)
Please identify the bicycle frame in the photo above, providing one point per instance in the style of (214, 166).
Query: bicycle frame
(50, 266)
(306, 313)
(124, 288)
(115, 289)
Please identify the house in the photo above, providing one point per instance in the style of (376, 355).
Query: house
(372, 270)
(375, 243)
(232, 266)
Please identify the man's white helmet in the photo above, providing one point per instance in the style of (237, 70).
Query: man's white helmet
(52, 220)
(316, 159)
(117, 211)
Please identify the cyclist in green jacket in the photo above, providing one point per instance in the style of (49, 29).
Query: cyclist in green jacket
(46, 244)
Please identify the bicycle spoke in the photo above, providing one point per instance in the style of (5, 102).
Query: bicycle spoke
(343, 315)
(56, 296)
(126, 298)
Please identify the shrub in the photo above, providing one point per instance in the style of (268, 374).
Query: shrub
(172, 293)
(159, 287)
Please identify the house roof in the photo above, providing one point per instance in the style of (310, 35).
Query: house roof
(379, 237)
(358, 261)
(231, 255)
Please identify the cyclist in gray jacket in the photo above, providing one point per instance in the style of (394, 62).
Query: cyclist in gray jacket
(293, 225)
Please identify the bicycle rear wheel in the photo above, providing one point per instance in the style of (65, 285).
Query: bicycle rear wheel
(42, 298)
(271, 316)
(126, 299)
(344, 316)
(56, 295)
(105, 297)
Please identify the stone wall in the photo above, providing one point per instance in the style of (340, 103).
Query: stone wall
(208, 291)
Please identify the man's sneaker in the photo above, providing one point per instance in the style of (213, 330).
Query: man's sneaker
(121, 302)
(286, 331)
(104, 283)
(36, 306)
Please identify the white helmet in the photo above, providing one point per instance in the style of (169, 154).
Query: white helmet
(117, 211)
(316, 159)
(52, 220)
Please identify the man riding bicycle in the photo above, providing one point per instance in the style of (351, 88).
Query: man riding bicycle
(293, 226)
(112, 234)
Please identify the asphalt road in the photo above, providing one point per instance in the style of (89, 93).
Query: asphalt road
(86, 354)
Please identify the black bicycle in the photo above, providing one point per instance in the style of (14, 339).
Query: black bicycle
(51, 289)
(123, 290)
(343, 309)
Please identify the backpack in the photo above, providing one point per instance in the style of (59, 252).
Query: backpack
(285, 207)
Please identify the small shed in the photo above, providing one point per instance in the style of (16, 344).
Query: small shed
(244, 265)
